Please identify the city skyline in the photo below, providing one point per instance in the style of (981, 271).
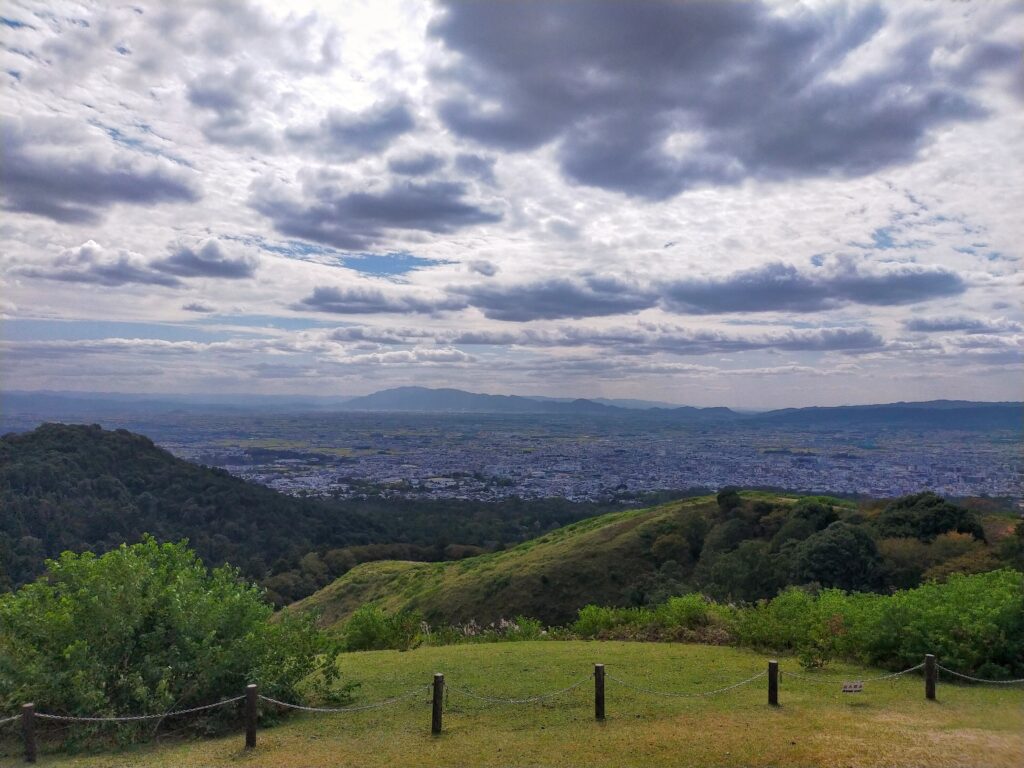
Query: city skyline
(742, 204)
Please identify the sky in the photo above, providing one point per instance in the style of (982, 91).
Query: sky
(709, 203)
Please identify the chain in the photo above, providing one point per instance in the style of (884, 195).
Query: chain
(131, 718)
(528, 700)
(686, 695)
(834, 680)
(360, 708)
(979, 679)
(9, 719)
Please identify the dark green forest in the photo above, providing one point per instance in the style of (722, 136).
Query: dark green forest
(83, 488)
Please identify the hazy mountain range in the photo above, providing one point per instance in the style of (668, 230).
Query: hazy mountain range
(953, 414)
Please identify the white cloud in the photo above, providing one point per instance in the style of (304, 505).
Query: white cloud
(205, 168)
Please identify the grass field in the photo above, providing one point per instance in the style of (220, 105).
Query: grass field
(889, 724)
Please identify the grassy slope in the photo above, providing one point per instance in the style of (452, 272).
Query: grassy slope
(889, 724)
(597, 560)
(594, 560)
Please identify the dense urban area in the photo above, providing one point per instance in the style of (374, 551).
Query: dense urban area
(581, 458)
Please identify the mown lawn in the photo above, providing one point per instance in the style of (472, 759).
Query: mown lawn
(889, 724)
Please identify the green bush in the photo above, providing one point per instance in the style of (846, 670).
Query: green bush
(144, 629)
(688, 612)
(371, 629)
(972, 623)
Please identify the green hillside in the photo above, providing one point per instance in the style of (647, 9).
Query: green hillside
(77, 487)
(733, 547)
(597, 559)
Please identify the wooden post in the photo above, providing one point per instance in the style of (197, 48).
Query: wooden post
(250, 716)
(28, 731)
(599, 691)
(773, 683)
(930, 675)
(435, 719)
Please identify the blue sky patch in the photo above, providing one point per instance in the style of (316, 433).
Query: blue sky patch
(392, 264)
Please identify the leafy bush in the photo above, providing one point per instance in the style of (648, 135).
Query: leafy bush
(144, 629)
(689, 611)
(973, 623)
(596, 620)
(371, 629)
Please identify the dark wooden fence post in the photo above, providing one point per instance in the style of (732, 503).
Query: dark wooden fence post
(28, 731)
(435, 719)
(250, 716)
(599, 691)
(773, 683)
(930, 675)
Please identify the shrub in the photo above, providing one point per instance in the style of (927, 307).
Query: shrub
(144, 629)
(371, 629)
(972, 623)
(687, 612)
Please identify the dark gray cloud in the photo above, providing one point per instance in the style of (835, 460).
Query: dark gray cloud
(477, 166)
(198, 306)
(483, 267)
(642, 339)
(591, 296)
(416, 165)
(365, 300)
(960, 323)
(651, 98)
(208, 260)
(343, 135)
(230, 99)
(781, 287)
(58, 172)
(91, 263)
(359, 220)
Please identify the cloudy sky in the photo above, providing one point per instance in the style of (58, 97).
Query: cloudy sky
(715, 203)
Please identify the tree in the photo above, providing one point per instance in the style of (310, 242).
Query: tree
(728, 499)
(145, 629)
(842, 556)
(925, 516)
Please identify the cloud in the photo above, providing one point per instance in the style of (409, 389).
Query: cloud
(325, 212)
(557, 298)
(652, 98)
(62, 171)
(418, 356)
(416, 165)
(778, 287)
(483, 267)
(91, 263)
(362, 300)
(961, 323)
(347, 135)
(646, 339)
(206, 260)
(477, 166)
(198, 306)
(232, 97)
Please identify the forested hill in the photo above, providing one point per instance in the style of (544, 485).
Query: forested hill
(81, 488)
(733, 547)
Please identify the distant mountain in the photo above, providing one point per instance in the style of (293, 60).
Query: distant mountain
(628, 403)
(424, 400)
(934, 414)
